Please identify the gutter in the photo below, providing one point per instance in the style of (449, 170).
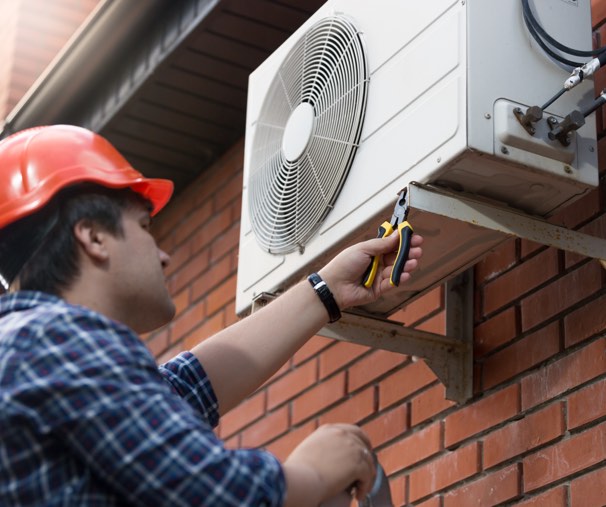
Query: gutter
(104, 63)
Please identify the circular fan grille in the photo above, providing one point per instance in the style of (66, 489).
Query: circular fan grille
(307, 134)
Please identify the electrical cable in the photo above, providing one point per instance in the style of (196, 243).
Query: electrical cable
(553, 99)
(531, 19)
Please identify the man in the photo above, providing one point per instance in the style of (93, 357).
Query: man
(86, 416)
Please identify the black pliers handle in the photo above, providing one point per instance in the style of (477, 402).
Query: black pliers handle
(404, 229)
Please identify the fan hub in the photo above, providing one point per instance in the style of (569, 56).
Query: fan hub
(298, 131)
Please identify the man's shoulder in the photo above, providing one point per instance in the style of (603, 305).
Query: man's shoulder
(36, 315)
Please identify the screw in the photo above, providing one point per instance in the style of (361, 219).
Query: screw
(591, 149)
(568, 169)
(504, 150)
(487, 116)
(439, 159)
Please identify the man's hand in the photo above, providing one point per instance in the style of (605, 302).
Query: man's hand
(328, 462)
(343, 274)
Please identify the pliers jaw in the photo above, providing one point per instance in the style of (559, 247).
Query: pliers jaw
(400, 225)
(401, 209)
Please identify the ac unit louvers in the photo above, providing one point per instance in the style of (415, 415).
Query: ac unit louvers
(367, 97)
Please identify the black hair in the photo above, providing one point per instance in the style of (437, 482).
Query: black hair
(40, 250)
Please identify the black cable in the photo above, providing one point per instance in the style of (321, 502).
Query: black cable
(529, 16)
(546, 48)
(553, 99)
(599, 101)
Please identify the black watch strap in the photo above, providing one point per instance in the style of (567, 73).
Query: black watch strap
(328, 300)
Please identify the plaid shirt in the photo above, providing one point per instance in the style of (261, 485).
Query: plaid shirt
(88, 419)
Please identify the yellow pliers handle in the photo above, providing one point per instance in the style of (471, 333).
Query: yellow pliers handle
(369, 275)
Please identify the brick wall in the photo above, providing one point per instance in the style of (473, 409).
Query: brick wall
(535, 432)
(33, 32)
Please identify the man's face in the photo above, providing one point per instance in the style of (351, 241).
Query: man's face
(137, 265)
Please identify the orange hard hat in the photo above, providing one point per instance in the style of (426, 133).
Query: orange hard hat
(36, 163)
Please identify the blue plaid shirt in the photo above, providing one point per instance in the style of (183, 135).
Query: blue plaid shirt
(88, 419)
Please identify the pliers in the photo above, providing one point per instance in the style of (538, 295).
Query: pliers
(398, 223)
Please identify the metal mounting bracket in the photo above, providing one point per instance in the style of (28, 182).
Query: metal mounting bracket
(471, 228)
(450, 357)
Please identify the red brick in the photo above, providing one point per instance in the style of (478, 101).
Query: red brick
(428, 404)
(178, 257)
(589, 490)
(522, 355)
(213, 276)
(182, 301)
(228, 241)
(598, 12)
(493, 489)
(587, 321)
(434, 324)
(245, 413)
(444, 471)
(587, 405)
(387, 425)
(158, 342)
(519, 281)
(521, 436)
(266, 429)
(495, 332)
(432, 502)
(197, 265)
(284, 445)
(421, 308)
(311, 348)
(556, 497)
(565, 458)
(338, 355)
(482, 415)
(212, 229)
(229, 191)
(561, 294)
(597, 229)
(187, 321)
(292, 384)
(410, 450)
(194, 219)
(497, 262)
(369, 368)
(358, 407)
(397, 486)
(528, 248)
(318, 398)
(565, 374)
(209, 327)
(404, 382)
(222, 295)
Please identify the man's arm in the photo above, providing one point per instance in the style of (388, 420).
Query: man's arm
(242, 357)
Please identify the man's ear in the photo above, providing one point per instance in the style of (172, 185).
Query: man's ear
(92, 239)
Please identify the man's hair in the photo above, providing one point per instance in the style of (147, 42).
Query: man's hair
(41, 252)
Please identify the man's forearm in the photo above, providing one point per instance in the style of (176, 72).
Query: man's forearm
(242, 357)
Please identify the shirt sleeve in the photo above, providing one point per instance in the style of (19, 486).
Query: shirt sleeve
(100, 391)
(187, 378)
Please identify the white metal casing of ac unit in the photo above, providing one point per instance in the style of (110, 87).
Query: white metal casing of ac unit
(445, 77)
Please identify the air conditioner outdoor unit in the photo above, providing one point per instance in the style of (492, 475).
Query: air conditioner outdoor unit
(367, 97)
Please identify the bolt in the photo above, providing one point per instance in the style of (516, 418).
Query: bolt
(487, 116)
(504, 150)
(568, 169)
(552, 120)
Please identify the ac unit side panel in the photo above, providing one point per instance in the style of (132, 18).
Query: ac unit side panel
(506, 64)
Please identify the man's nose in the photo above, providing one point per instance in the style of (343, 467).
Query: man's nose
(164, 259)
